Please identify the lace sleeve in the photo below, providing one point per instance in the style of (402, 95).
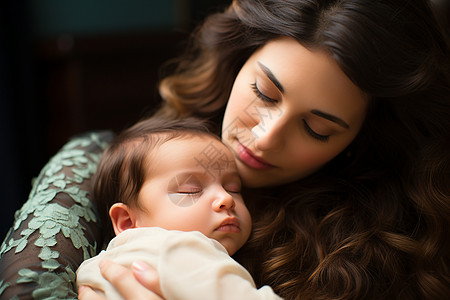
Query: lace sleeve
(57, 228)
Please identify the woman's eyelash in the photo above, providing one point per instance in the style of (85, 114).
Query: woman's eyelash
(319, 137)
(261, 95)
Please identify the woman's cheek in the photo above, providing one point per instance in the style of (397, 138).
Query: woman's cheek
(312, 158)
(239, 111)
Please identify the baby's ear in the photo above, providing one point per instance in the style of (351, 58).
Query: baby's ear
(121, 217)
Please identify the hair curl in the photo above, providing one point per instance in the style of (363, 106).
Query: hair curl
(371, 226)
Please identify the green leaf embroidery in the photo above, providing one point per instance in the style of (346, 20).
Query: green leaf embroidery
(3, 286)
(50, 264)
(27, 275)
(47, 253)
(23, 243)
(47, 217)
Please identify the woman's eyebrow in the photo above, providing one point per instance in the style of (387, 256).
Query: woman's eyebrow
(271, 76)
(332, 118)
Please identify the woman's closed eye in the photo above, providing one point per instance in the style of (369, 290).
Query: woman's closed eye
(315, 135)
(260, 95)
(307, 128)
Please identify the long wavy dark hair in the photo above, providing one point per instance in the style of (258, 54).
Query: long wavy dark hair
(374, 222)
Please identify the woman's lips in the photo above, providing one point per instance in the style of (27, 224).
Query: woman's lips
(251, 160)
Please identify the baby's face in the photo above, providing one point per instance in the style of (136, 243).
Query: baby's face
(195, 186)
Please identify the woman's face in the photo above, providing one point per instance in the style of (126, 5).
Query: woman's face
(290, 111)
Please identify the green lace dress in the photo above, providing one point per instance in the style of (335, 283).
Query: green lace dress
(57, 228)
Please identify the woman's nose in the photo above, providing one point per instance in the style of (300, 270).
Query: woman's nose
(268, 134)
(223, 201)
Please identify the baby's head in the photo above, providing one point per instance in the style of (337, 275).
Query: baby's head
(174, 175)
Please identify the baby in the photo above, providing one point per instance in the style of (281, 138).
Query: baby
(175, 203)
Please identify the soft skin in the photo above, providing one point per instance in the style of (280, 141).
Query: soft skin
(192, 185)
(291, 110)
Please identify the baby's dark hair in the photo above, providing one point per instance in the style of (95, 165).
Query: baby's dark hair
(124, 164)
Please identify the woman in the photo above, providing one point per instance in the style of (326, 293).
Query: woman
(338, 113)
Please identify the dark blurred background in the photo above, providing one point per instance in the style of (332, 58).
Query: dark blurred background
(70, 66)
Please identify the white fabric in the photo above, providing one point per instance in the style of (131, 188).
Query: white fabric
(190, 266)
